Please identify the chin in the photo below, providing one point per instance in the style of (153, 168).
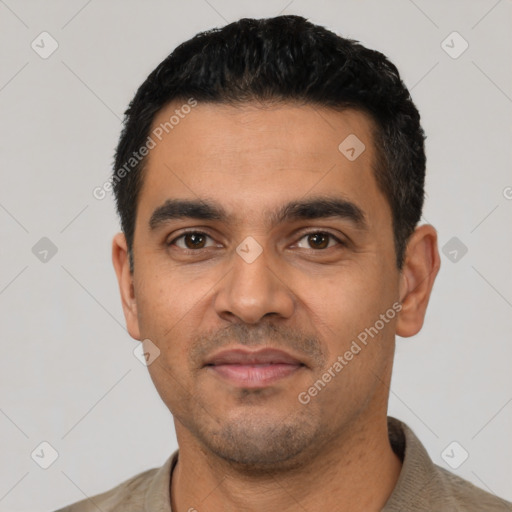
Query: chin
(262, 445)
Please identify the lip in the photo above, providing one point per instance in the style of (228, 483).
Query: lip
(244, 357)
(253, 369)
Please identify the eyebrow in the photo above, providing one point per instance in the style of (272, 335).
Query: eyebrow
(312, 208)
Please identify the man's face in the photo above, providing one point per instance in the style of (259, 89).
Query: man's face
(320, 279)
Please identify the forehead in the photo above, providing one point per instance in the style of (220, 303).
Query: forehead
(254, 158)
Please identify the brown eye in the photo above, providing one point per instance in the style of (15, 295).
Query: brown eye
(191, 240)
(319, 240)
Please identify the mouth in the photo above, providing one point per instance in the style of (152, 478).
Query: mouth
(258, 369)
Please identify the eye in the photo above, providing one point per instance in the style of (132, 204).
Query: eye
(319, 240)
(191, 240)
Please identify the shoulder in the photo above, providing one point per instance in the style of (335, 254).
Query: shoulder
(127, 496)
(424, 486)
(469, 497)
(135, 494)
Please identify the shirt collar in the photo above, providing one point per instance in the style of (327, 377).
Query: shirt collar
(418, 473)
(158, 497)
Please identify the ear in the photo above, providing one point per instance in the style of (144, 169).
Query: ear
(421, 265)
(121, 263)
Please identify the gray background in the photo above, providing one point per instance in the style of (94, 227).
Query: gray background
(67, 372)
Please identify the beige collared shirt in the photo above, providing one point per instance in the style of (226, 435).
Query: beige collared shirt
(422, 486)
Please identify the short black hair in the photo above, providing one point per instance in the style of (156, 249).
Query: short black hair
(284, 59)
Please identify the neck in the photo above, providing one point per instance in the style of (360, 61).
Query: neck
(356, 471)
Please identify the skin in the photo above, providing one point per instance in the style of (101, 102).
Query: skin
(263, 450)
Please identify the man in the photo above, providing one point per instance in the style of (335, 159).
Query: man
(270, 179)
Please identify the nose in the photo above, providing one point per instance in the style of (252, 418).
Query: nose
(253, 289)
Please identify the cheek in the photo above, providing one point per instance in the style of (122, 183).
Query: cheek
(162, 299)
(170, 311)
(166, 314)
(346, 304)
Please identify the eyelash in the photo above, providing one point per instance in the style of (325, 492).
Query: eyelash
(202, 233)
